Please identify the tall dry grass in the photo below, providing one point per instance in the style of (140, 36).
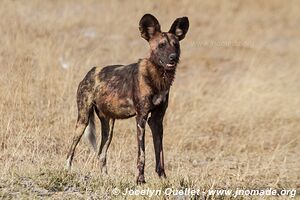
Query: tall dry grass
(233, 119)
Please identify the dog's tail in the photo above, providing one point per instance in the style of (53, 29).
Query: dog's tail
(90, 131)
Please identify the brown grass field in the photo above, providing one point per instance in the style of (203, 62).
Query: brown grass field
(234, 113)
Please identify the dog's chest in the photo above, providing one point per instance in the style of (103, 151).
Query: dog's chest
(160, 97)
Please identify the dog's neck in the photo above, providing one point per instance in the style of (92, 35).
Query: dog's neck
(160, 78)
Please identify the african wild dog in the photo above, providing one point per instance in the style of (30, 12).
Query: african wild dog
(138, 89)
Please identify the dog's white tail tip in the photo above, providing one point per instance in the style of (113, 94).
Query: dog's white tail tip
(90, 132)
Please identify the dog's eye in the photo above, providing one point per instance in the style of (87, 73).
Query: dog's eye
(161, 45)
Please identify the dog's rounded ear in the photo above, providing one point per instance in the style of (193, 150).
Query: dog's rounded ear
(149, 25)
(180, 27)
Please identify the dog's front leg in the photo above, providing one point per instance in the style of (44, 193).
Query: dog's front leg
(141, 122)
(156, 125)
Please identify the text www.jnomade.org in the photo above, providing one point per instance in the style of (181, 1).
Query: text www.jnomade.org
(148, 192)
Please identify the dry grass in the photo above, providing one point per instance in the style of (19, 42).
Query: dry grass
(233, 119)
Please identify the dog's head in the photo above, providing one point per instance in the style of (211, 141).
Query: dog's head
(165, 47)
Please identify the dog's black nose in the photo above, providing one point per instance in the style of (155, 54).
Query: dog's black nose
(172, 56)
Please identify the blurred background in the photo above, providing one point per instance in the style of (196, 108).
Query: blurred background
(233, 118)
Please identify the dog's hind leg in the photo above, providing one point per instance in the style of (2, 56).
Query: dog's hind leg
(107, 127)
(85, 111)
(82, 122)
